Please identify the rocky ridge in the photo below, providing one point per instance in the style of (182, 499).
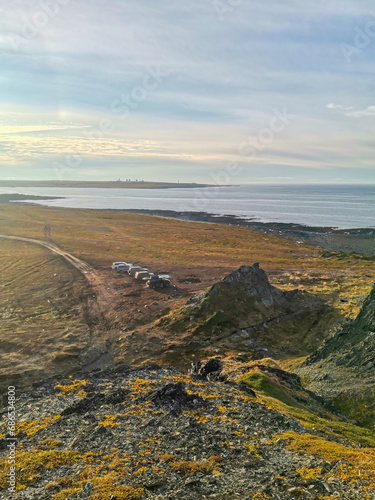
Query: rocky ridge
(245, 312)
(155, 433)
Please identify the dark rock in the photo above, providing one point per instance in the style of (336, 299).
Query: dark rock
(117, 397)
(84, 405)
(212, 365)
(243, 387)
(176, 399)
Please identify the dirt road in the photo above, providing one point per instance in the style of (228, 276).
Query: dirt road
(92, 276)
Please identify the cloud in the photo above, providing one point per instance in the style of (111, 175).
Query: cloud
(339, 106)
(225, 78)
(369, 111)
(24, 129)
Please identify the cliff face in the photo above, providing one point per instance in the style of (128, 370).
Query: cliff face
(245, 312)
(343, 368)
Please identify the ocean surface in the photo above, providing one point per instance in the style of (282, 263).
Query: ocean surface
(340, 206)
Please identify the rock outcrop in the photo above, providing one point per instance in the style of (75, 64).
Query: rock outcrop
(249, 281)
(250, 314)
(343, 368)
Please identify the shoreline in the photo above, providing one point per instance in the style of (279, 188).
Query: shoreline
(21, 199)
(357, 240)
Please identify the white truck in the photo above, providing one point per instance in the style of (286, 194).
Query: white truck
(142, 275)
(115, 265)
(121, 267)
(135, 269)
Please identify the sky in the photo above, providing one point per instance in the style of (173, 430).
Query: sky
(219, 91)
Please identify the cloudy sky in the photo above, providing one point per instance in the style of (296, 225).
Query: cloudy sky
(272, 91)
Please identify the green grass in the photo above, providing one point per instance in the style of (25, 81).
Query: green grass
(297, 404)
(266, 385)
(361, 409)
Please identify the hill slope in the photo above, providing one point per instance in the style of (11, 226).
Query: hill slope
(155, 433)
(245, 312)
(343, 368)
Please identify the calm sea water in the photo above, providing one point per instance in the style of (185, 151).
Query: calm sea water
(343, 207)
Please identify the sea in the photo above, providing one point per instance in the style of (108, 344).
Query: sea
(338, 206)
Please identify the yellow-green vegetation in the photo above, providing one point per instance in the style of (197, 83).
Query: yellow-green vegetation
(103, 488)
(279, 397)
(31, 463)
(110, 420)
(187, 467)
(75, 386)
(51, 444)
(364, 408)
(168, 457)
(308, 473)
(267, 385)
(140, 386)
(360, 458)
(31, 428)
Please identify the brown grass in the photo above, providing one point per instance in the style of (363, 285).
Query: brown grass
(102, 236)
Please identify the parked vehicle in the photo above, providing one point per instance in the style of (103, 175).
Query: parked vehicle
(134, 269)
(115, 265)
(140, 275)
(157, 281)
(124, 268)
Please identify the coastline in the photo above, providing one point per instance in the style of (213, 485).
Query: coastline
(100, 184)
(7, 198)
(358, 240)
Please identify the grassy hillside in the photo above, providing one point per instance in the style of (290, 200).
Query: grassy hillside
(42, 325)
(195, 254)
